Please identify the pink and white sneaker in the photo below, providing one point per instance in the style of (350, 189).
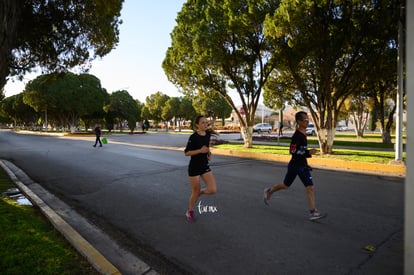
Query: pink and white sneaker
(190, 215)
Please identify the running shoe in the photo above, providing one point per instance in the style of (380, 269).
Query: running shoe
(316, 215)
(266, 196)
(190, 215)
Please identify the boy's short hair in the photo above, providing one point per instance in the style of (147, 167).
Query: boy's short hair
(298, 115)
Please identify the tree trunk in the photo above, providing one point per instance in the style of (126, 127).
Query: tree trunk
(10, 11)
(326, 139)
(360, 121)
(386, 137)
(247, 134)
(179, 125)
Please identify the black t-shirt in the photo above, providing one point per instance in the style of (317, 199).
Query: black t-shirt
(195, 142)
(299, 149)
(98, 131)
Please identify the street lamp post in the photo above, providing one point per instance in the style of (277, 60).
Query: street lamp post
(400, 87)
(46, 119)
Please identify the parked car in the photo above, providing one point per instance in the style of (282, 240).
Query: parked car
(310, 130)
(262, 127)
(342, 128)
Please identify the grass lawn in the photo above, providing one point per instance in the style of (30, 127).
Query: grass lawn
(367, 149)
(30, 245)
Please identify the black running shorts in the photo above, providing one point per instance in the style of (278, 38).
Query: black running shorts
(197, 170)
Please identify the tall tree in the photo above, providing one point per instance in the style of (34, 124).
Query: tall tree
(66, 97)
(155, 104)
(179, 108)
(122, 107)
(55, 35)
(187, 111)
(212, 106)
(218, 46)
(93, 97)
(171, 109)
(323, 48)
(20, 113)
(135, 115)
(381, 81)
(38, 95)
(358, 108)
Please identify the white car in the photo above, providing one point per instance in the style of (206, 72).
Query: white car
(342, 128)
(310, 130)
(262, 127)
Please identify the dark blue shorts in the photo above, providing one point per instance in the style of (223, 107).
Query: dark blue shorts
(302, 171)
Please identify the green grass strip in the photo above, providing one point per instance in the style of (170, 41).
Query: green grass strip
(30, 245)
(343, 154)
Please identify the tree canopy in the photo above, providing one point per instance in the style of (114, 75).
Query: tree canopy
(55, 35)
(66, 97)
(123, 107)
(17, 111)
(154, 106)
(220, 47)
(179, 108)
(212, 106)
(325, 49)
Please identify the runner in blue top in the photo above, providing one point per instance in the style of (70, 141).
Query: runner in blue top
(298, 166)
(198, 149)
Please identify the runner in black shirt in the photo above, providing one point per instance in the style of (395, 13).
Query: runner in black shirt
(198, 148)
(298, 166)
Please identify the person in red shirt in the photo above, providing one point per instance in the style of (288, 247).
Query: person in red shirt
(298, 166)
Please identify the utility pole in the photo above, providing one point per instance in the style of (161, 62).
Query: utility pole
(46, 119)
(409, 178)
(400, 92)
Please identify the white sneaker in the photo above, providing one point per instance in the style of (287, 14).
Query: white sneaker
(316, 215)
(266, 196)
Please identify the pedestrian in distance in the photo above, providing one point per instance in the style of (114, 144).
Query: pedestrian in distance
(298, 166)
(198, 148)
(146, 124)
(98, 133)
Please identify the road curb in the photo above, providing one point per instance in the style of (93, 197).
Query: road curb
(355, 166)
(94, 257)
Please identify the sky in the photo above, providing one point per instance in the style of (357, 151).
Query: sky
(135, 65)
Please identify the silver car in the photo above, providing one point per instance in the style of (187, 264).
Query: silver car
(262, 127)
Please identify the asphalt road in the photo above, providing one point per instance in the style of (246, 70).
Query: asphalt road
(138, 193)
